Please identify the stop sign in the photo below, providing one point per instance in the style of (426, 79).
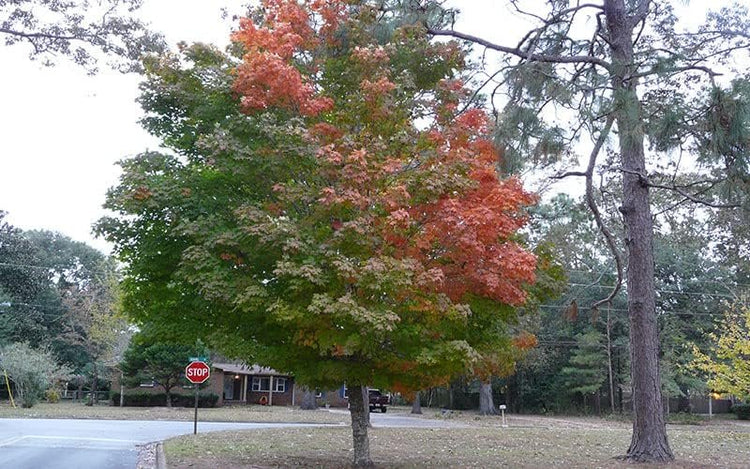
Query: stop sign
(197, 372)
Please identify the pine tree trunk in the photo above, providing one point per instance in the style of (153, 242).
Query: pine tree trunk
(649, 442)
(360, 414)
(308, 400)
(416, 405)
(486, 405)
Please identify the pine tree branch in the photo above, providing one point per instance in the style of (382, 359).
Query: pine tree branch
(641, 12)
(644, 179)
(531, 57)
(556, 17)
(569, 174)
(692, 197)
(591, 201)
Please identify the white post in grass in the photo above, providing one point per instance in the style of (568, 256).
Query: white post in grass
(502, 411)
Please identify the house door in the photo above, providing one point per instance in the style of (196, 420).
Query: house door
(229, 388)
(237, 387)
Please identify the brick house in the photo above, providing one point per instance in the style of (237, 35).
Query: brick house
(243, 384)
(250, 384)
(336, 398)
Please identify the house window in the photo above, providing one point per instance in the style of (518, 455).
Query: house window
(280, 385)
(261, 383)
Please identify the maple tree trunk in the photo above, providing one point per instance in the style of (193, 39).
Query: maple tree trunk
(649, 442)
(360, 419)
(416, 405)
(486, 405)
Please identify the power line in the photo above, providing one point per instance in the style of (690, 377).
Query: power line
(595, 285)
(42, 267)
(8, 304)
(623, 310)
(614, 274)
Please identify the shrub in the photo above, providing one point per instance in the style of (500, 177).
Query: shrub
(52, 395)
(144, 399)
(31, 370)
(742, 411)
(682, 418)
(204, 400)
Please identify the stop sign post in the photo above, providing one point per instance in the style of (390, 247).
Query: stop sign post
(197, 372)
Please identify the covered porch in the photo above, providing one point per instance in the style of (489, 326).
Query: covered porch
(243, 384)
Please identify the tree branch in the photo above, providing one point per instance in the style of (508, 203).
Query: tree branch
(569, 174)
(608, 236)
(573, 59)
(692, 197)
(32, 36)
(644, 179)
(641, 12)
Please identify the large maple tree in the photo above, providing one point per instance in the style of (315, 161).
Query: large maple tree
(368, 238)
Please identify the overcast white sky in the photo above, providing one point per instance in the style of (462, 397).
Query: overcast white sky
(62, 131)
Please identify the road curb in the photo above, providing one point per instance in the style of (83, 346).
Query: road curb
(161, 460)
(151, 456)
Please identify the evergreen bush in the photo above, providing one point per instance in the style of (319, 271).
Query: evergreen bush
(742, 411)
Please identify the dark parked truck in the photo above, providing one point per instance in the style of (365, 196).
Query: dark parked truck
(378, 400)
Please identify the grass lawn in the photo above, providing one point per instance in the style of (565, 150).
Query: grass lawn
(77, 410)
(528, 442)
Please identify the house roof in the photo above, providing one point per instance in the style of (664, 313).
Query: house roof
(240, 369)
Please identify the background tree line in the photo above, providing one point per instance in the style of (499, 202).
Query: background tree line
(59, 297)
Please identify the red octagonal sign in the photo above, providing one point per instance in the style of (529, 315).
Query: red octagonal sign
(197, 372)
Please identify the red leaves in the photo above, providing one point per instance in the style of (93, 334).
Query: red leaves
(467, 233)
(525, 340)
(142, 193)
(268, 76)
(265, 80)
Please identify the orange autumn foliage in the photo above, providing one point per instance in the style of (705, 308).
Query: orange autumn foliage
(525, 340)
(268, 76)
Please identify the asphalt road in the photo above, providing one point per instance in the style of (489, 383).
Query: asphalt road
(111, 444)
(94, 444)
